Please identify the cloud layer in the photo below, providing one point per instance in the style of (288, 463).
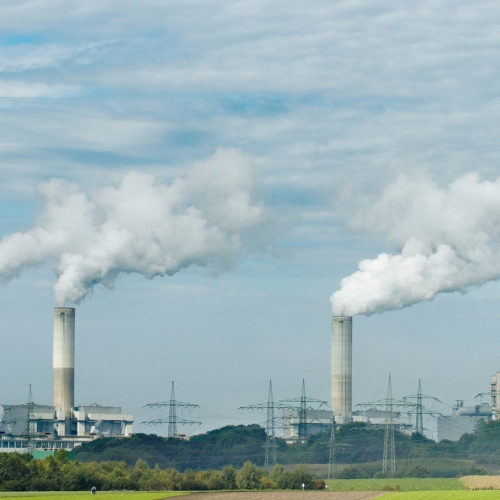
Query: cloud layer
(139, 225)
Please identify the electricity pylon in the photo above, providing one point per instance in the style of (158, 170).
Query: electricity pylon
(419, 419)
(270, 406)
(28, 429)
(420, 410)
(389, 460)
(173, 420)
(331, 451)
(303, 410)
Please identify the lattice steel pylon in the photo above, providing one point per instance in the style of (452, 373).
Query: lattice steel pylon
(331, 451)
(29, 430)
(389, 460)
(270, 406)
(270, 450)
(303, 410)
(419, 409)
(173, 420)
(419, 419)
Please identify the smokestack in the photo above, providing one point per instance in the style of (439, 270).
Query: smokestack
(63, 364)
(342, 368)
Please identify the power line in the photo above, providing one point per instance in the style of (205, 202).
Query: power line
(173, 419)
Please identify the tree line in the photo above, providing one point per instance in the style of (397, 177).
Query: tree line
(21, 472)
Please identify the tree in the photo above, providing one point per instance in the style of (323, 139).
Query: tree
(249, 476)
(229, 477)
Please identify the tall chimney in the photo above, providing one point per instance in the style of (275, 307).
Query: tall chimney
(63, 364)
(342, 368)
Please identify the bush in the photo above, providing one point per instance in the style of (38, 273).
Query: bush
(319, 484)
(267, 484)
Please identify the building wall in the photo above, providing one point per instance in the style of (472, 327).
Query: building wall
(464, 419)
(452, 427)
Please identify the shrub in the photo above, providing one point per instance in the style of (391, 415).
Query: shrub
(267, 484)
(319, 484)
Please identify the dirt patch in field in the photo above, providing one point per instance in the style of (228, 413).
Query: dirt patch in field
(285, 495)
(481, 482)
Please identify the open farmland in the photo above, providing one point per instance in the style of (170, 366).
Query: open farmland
(111, 495)
(396, 484)
(441, 495)
(481, 482)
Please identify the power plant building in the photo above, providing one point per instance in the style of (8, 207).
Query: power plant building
(62, 425)
(463, 419)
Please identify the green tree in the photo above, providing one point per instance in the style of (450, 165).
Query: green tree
(229, 477)
(249, 476)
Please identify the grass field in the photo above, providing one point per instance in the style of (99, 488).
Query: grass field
(441, 495)
(398, 484)
(118, 495)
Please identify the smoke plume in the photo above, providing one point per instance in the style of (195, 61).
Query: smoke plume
(139, 225)
(447, 240)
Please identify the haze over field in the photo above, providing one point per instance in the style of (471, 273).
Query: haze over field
(253, 158)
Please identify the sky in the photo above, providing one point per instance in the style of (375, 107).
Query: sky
(314, 114)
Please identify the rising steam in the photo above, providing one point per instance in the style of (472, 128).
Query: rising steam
(139, 225)
(448, 240)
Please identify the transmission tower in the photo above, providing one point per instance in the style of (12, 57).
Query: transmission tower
(270, 406)
(389, 461)
(419, 419)
(303, 410)
(28, 429)
(331, 451)
(420, 409)
(173, 420)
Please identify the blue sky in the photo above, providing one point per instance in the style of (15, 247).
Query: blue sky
(331, 103)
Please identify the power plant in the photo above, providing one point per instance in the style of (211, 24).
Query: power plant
(63, 425)
(30, 426)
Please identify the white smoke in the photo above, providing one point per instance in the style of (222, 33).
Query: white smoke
(139, 225)
(448, 240)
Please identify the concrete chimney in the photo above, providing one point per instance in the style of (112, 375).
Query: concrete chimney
(341, 388)
(63, 364)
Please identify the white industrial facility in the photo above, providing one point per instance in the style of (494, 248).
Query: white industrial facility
(62, 425)
(463, 419)
(317, 420)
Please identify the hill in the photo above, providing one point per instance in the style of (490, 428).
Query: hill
(355, 444)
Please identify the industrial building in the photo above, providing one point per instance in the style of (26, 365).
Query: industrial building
(62, 425)
(495, 396)
(316, 420)
(463, 419)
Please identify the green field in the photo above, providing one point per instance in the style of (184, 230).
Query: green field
(63, 495)
(398, 484)
(441, 495)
